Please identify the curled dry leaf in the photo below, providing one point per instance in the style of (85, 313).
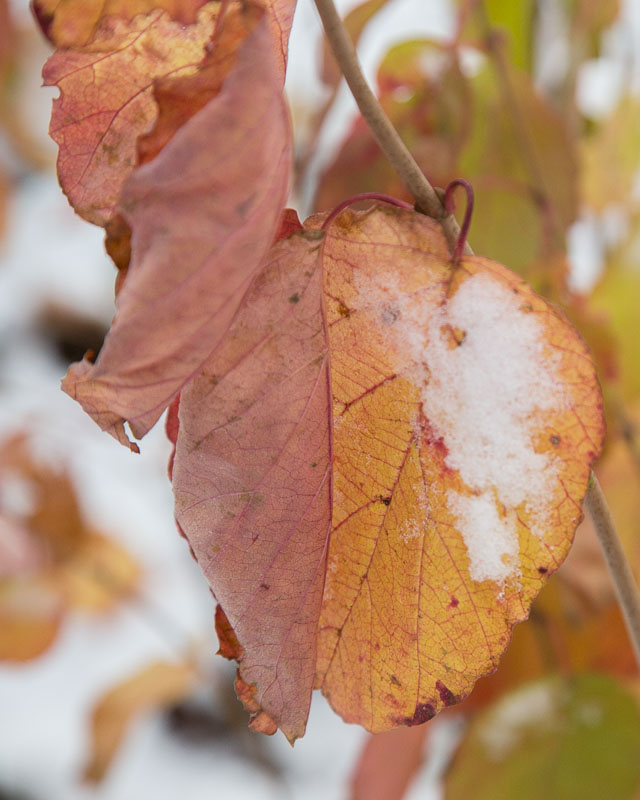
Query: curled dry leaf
(201, 224)
(157, 686)
(75, 23)
(465, 418)
(106, 100)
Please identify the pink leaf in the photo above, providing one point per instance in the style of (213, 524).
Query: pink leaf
(203, 214)
(251, 477)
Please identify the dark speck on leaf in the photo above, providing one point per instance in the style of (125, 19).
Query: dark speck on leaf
(295, 297)
(555, 440)
(446, 695)
(264, 586)
(423, 713)
(543, 570)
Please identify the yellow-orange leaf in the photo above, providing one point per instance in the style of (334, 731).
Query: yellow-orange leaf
(466, 415)
(99, 574)
(31, 611)
(156, 686)
(73, 23)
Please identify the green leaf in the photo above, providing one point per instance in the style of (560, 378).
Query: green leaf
(560, 738)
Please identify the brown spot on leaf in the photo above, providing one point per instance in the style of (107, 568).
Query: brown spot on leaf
(423, 713)
(446, 695)
(230, 647)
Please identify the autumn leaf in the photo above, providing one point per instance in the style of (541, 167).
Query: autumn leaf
(280, 17)
(31, 612)
(523, 165)
(51, 560)
(156, 686)
(515, 21)
(201, 225)
(6, 39)
(610, 157)
(466, 416)
(573, 738)
(355, 22)
(106, 100)
(388, 763)
(251, 480)
(426, 96)
(616, 296)
(75, 23)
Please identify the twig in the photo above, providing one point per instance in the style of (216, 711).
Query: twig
(428, 201)
(623, 581)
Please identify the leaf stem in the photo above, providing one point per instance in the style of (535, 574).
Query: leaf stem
(429, 202)
(426, 197)
(449, 206)
(621, 575)
(359, 198)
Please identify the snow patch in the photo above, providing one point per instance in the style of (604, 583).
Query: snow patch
(479, 523)
(487, 377)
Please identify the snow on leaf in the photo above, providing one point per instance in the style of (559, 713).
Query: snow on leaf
(251, 479)
(466, 417)
(106, 100)
(202, 220)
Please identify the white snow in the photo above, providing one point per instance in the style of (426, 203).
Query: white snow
(479, 523)
(486, 377)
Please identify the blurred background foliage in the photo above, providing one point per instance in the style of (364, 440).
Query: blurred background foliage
(555, 168)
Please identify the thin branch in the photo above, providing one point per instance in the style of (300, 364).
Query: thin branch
(623, 580)
(426, 197)
(428, 201)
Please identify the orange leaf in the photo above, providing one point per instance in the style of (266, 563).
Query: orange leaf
(156, 686)
(74, 23)
(106, 100)
(466, 417)
(201, 224)
(31, 611)
(99, 574)
(251, 480)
